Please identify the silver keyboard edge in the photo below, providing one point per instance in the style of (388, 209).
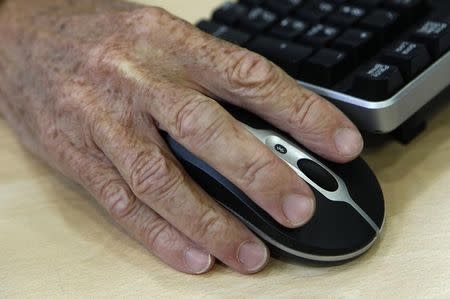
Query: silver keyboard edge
(386, 116)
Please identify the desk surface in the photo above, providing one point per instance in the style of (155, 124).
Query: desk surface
(56, 242)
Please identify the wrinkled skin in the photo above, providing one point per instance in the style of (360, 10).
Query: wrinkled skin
(87, 85)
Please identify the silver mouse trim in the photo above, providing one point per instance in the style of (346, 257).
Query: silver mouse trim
(314, 257)
(293, 154)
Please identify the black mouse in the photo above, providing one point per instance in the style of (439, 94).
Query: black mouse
(349, 212)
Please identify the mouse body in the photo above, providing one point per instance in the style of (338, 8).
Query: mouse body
(349, 212)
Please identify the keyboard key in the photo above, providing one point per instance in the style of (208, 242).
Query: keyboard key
(435, 35)
(283, 7)
(359, 43)
(409, 57)
(383, 23)
(289, 29)
(315, 11)
(320, 35)
(346, 15)
(408, 8)
(224, 32)
(377, 81)
(325, 67)
(287, 55)
(230, 13)
(257, 20)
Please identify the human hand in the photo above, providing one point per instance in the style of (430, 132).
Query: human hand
(88, 89)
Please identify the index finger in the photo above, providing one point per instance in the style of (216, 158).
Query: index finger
(248, 80)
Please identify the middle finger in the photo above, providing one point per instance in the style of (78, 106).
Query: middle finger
(207, 130)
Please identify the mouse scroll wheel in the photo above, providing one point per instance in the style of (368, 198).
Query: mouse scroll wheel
(318, 174)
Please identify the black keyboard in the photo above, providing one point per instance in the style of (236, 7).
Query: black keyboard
(380, 61)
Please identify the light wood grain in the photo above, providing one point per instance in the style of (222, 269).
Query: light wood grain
(56, 242)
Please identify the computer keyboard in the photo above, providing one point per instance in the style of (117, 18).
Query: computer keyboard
(380, 61)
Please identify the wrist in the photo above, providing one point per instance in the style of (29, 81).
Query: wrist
(28, 27)
(22, 18)
(24, 10)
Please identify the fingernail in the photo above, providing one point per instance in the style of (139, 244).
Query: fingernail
(253, 256)
(349, 142)
(298, 209)
(198, 260)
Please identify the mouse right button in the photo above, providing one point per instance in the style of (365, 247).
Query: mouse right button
(319, 175)
(363, 187)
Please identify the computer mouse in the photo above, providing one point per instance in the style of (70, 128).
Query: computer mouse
(349, 212)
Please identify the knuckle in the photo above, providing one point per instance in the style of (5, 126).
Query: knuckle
(157, 235)
(251, 72)
(119, 203)
(305, 112)
(152, 174)
(157, 17)
(98, 129)
(110, 191)
(76, 101)
(210, 226)
(102, 56)
(260, 166)
(153, 12)
(88, 111)
(111, 55)
(189, 127)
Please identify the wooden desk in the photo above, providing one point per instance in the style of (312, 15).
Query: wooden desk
(56, 242)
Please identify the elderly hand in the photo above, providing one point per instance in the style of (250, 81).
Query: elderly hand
(87, 85)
